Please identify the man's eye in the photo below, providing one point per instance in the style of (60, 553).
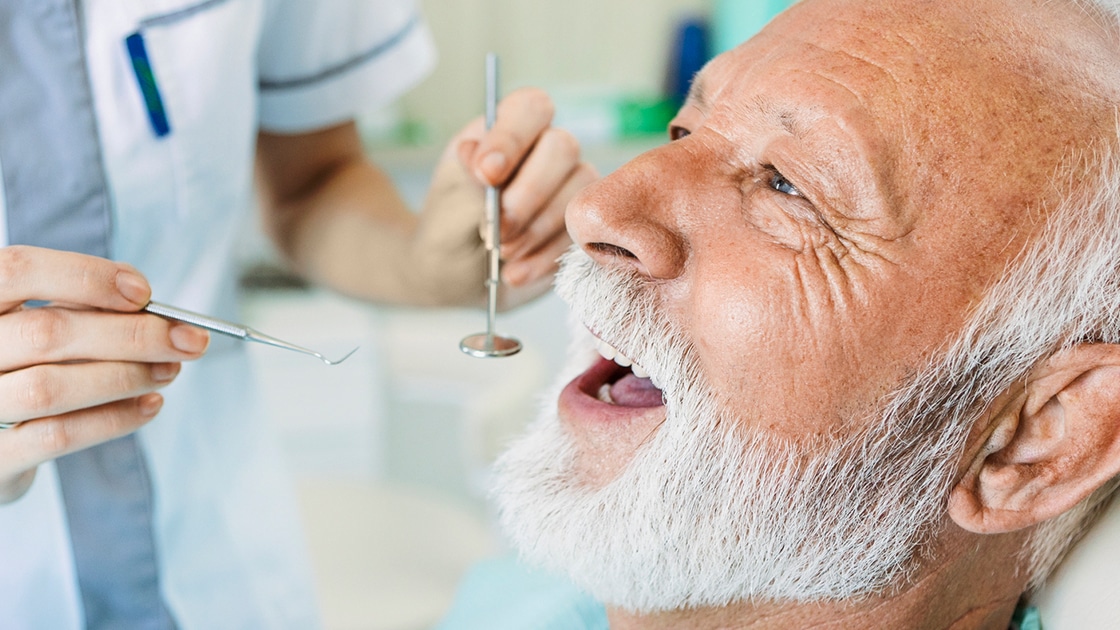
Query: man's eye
(676, 133)
(779, 183)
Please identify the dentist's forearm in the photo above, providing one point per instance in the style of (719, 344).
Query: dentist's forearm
(337, 218)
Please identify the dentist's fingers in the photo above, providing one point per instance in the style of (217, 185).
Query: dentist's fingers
(464, 145)
(522, 116)
(541, 178)
(34, 273)
(52, 335)
(51, 390)
(533, 276)
(545, 220)
(538, 266)
(27, 445)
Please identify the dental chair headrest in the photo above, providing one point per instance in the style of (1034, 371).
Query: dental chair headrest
(1082, 593)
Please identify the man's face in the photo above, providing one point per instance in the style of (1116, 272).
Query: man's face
(839, 192)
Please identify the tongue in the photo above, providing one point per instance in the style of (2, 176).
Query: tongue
(631, 391)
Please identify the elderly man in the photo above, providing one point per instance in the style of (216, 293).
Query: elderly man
(859, 321)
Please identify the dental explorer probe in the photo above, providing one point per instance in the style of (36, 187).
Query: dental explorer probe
(488, 344)
(231, 329)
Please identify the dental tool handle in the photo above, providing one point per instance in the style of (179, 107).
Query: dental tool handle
(493, 255)
(493, 205)
(212, 324)
(238, 331)
(491, 89)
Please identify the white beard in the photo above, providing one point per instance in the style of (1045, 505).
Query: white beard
(710, 512)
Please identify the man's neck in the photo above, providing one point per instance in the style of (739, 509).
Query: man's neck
(995, 615)
(974, 584)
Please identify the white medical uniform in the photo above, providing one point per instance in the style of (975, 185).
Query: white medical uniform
(229, 548)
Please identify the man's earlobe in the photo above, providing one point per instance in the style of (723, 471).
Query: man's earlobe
(1049, 449)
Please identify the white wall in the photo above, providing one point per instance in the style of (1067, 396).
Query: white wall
(560, 45)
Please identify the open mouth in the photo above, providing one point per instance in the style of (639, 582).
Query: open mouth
(613, 389)
(628, 385)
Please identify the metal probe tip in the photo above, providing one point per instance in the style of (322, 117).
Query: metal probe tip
(336, 361)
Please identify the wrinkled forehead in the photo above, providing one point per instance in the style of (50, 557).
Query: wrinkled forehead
(976, 93)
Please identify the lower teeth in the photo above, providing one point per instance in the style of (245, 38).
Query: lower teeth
(605, 394)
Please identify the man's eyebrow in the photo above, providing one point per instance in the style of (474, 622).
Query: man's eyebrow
(791, 120)
(696, 94)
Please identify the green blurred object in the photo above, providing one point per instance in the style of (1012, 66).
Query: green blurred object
(413, 133)
(638, 117)
(735, 21)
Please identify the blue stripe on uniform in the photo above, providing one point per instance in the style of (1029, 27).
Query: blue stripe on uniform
(56, 196)
(378, 50)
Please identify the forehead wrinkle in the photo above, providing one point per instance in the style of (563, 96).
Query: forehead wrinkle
(834, 71)
(831, 68)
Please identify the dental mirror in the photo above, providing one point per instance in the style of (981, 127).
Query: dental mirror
(488, 344)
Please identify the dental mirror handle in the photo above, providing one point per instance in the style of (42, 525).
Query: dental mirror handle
(493, 205)
(489, 344)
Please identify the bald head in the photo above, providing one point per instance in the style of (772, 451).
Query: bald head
(978, 97)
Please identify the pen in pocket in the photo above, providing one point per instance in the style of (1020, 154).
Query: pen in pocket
(146, 79)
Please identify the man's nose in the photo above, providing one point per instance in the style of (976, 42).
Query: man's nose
(633, 216)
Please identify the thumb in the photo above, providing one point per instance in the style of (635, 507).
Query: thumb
(453, 213)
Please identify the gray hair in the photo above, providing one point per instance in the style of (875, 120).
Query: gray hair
(1065, 291)
(1076, 272)
(1109, 9)
(1062, 290)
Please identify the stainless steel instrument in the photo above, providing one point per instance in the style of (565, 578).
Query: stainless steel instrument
(231, 329)
(489, 344)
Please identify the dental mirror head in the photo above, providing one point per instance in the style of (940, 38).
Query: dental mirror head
(488, 345)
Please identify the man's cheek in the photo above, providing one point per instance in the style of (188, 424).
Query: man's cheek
(768, 368)
(735, 344)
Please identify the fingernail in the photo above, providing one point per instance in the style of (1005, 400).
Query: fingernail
(493, 165)
(133, 287)
(150, 404)
(164, 372)
(188, 338)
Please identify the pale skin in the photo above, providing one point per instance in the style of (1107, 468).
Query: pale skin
(839, 192)
(88, 368)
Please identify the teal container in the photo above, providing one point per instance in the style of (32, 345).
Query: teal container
(736, 21)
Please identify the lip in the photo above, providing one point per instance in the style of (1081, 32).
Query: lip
(579, 404)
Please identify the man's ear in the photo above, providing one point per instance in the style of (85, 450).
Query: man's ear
(1049, 448)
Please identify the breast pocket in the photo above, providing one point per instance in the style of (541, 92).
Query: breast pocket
(193, 67)
(203, 59)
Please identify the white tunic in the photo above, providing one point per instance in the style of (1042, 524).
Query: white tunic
(226, 530)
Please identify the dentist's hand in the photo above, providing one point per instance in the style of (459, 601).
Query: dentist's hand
(540, 170)
(82, 370)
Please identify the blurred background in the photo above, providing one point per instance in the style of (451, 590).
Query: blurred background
(390, 451)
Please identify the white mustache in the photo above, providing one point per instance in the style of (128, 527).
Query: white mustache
(623, 309)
